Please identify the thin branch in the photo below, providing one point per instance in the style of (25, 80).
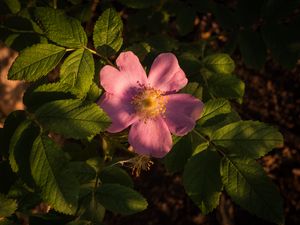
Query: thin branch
(101, 56)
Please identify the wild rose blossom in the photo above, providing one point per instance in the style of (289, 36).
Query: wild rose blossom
(150, 104)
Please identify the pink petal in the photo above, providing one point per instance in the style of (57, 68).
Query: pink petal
(182, 112)
(165, 73)
(151, 137)
(119, 110)
(130, 66)
(125, 80)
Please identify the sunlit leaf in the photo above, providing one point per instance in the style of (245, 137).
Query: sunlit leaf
(248, 186)
(72, 118)
(59, 28)
(248, 138)
(59, 187)
(107, 34)
(36, 61)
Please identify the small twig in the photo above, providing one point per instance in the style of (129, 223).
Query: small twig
(101, 56)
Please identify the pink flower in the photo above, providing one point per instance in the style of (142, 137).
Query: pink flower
(148, 104)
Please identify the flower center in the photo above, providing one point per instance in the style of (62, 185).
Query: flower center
(149, 102)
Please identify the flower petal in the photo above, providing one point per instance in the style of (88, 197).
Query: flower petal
(125, 80)
(130, 66)
(119, 110)
(113, 81)
(151, 137)
(182, 112)
(165, 73)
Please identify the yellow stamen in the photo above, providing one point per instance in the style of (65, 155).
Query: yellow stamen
(139, 163)
(149, 103)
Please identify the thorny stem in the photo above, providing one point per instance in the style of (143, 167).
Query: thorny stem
(101, 56)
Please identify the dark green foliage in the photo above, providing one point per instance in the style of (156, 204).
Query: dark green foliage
(203, 185)
(121, 199)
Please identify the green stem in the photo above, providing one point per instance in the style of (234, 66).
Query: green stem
(201, 135)
(218, 148)
(101, 56)
(96, 183)
(18, 31)
(203, 50)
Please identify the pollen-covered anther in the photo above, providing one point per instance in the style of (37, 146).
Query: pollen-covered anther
(149, 103)
(139, 163)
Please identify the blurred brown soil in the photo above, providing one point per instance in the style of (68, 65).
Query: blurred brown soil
(11, 92)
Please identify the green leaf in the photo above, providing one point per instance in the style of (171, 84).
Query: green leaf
(228, 87)
(72, 118)
(82, 171)
(37, 96)
(59, 28)
(11, 123)
(94, 93)
(20, 148)
(107, 34)
(78, 71)
(35, 62)
(190, 64)
(20, 41)
(194, 89)
(138, 4)
(176, 159)
(219, 63)
(7, 206)
(121, 199)
(248, 138)
(202, 180)
(91, 209)
(213, 108)
(81, 222)
(13, 5)
(18, 23)
(59, 187)
(115, 175)
(7, 222)
(209, 126)
(247, 184)
(252, 48)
